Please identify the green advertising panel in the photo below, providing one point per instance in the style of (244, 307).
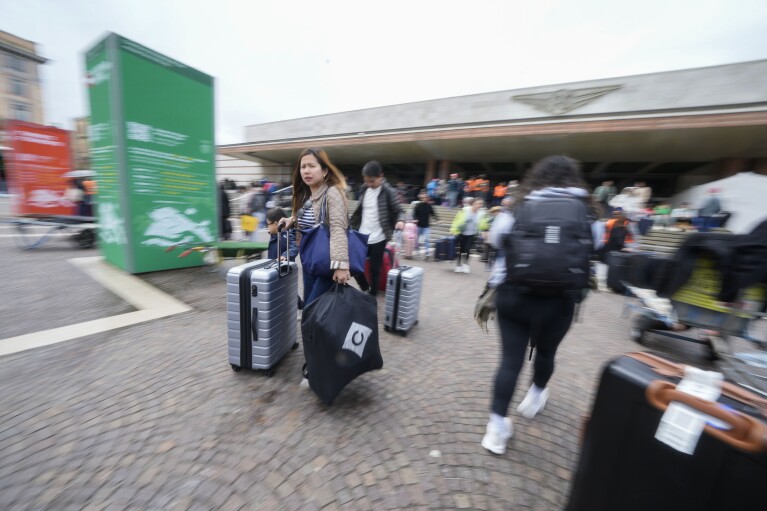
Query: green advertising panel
(103, 150)
(159, 178)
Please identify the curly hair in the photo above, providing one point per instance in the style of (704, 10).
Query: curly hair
(557, 171)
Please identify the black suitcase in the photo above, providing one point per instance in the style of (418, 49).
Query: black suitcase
(624, 467)
(648, 269)
(617, 270)
(445, 249)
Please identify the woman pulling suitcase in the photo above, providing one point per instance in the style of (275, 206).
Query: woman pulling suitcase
(319, 188)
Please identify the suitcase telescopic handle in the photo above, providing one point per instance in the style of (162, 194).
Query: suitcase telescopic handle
(746, 433)
(280, 265)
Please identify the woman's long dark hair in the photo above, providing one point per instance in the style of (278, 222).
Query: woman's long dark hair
(552, 171)
(301, 191)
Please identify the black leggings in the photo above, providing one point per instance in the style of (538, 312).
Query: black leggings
(463, 244)
(523, 317)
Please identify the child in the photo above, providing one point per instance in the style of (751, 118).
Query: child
(287, 239)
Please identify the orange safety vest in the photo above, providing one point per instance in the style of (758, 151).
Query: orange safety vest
(499, 191)
(609, 227)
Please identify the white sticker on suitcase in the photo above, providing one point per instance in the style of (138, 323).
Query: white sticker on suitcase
(681, 427)
(356, 338)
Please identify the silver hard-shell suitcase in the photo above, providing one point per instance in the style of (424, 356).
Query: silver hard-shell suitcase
(261, 310)
(403, 297)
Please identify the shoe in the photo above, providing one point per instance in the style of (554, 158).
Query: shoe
(533, 403)
(466, 268)
(495, 441)
(458, 269)
(304, 383)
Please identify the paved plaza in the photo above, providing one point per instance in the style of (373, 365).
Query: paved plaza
(151, 416)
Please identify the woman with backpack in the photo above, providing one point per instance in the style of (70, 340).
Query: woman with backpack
(547, 243)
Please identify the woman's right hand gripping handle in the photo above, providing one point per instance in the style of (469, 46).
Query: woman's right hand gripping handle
(285, 223)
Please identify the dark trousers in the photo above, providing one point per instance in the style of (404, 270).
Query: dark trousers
(463, 244)
(375, 254)
(315, 286)
(524, 318)
(489, 254)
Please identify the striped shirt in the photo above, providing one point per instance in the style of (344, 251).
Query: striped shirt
(306, 218)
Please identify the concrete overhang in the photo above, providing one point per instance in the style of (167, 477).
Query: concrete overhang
(697, 115)
(678, 138)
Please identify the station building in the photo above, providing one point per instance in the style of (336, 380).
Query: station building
(671, 129)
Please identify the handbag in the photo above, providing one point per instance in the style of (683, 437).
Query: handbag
(315, 248)
(485, 309)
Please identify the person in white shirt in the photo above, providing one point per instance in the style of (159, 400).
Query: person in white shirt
(378, 214)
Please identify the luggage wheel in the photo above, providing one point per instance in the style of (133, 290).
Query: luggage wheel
(269, 372)
(713, 350)
(295, 346)
(637, 334)
(235, 368)
(86, 238)
(387, 329)
(638, 329)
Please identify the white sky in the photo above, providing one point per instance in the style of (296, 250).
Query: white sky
(284, 59)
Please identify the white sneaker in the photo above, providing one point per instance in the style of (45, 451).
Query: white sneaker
(304, 383)
(495, 441)
(458, 269)
(466, 268)
(533, 403)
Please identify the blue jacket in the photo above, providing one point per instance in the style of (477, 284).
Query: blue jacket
(292, 249)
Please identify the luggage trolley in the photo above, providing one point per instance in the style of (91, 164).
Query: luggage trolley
(29, 236)
(695, 305)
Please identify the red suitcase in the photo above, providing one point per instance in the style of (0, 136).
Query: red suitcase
(390, 261)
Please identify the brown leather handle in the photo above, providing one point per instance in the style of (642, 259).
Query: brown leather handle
(746, 433)
(673, 370)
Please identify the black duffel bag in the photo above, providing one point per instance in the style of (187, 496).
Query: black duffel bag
(340, 334)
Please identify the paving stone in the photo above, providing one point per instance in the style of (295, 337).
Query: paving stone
(152, 415)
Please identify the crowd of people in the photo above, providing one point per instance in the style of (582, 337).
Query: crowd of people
(636, 203)
(538, 275)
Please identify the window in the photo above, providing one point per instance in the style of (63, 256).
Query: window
(18, 87)
(16, 63)
(21, 112)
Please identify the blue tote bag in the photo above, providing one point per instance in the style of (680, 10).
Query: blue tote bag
(315, 248)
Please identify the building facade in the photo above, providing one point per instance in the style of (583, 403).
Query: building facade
(80, 147)
(20, 91)
(671, 130)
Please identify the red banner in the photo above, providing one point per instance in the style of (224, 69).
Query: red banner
(40, 157)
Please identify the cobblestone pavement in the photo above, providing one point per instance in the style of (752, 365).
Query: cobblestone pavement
(152, 417)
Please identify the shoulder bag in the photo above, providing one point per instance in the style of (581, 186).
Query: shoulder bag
(315, 247)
